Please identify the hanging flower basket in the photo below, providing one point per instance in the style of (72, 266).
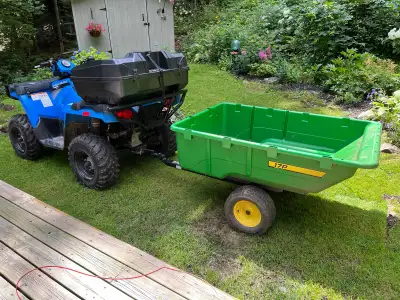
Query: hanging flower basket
(95, 33)
(94, 29)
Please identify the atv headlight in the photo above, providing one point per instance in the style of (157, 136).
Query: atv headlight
(65, 63)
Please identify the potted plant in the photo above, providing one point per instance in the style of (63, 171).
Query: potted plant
(94, 29)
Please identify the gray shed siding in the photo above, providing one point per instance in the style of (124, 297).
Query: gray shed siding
(124, 21)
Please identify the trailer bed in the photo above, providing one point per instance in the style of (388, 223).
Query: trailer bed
(294, 151)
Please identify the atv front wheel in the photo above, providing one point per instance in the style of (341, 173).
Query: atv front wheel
(94, 161)
(23, 138)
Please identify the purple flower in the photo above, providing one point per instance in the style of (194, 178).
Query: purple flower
(373, 94)
(98, 52)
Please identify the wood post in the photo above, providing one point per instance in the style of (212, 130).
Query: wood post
(58, 25)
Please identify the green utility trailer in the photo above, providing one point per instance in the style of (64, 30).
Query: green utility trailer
(279, 149)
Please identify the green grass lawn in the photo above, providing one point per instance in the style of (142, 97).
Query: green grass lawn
(329, 245)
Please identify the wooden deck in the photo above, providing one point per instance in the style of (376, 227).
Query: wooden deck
(34, 234)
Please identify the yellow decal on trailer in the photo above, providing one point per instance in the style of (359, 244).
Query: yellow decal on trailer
(277, 165)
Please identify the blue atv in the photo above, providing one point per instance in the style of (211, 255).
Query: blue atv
(99, 107)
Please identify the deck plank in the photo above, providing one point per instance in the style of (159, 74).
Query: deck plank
(37, 286)
(7, 291)
(183, 283)
(39, 254)
(84, 255)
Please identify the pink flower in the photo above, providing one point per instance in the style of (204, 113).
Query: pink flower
(262, 55)
(234, 53)
(269, 52)
(93, 26)
(172, 2)
(244, 52)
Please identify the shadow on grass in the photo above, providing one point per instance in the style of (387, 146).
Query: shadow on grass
(313, 239)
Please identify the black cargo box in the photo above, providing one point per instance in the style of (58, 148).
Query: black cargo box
(137, 77)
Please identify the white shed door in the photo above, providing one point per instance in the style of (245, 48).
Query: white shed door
(84, 12)
(161, 29)
(127, 19)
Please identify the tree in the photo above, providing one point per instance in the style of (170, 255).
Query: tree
(17, 34)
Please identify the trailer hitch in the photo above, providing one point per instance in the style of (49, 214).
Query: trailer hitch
(170, 163)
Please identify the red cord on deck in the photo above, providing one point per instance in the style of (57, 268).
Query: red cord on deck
(90, 275)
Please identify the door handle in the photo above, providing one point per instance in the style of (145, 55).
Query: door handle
(143, 17)
(146, 24)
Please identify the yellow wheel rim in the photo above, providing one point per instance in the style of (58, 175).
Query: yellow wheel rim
(247, 213)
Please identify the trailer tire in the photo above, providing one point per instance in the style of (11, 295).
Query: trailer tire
(250, 209)
(93, 161)
(23, 139)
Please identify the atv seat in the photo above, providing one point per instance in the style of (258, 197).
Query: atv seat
(30, 87)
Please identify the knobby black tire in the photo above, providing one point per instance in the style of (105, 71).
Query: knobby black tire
(260, 198)
(104, 157)
(168, 140)
(33, 148)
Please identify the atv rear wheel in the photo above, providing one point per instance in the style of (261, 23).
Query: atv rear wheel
(167, 145)
(23, 138)
(94, 161)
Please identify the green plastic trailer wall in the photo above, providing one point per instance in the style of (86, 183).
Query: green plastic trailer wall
(294, 151)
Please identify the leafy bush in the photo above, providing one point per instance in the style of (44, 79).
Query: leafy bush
(81, 56)
(316, 30)
(293, 71)
(394, 37)
(35, 75)
(387, 110)
(240, 64)
(262, 70)
(353, 75)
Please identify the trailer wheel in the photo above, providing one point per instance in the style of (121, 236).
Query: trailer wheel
(23, 138)
(250, 209)
(94, 161)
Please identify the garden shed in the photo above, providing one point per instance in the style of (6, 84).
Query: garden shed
(127, 25)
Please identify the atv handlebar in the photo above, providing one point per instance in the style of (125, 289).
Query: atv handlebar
(45, 64)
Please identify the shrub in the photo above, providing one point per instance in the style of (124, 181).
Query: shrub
(293, 71)
(315, 30)
(353, 75)
(394, 37)
(262, 70)
(81, 56)
(387, 110)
